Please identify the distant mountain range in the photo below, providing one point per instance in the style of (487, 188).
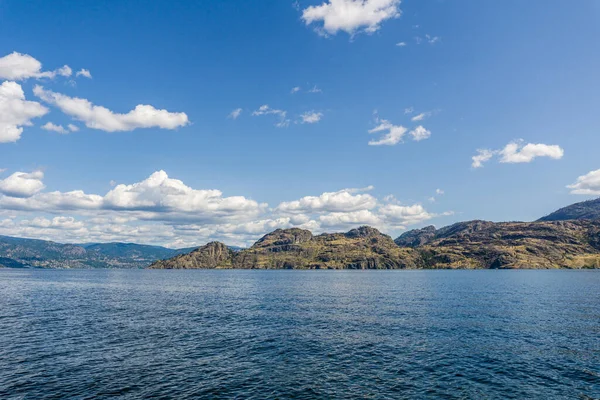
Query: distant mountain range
(20, 253)
(567, 238)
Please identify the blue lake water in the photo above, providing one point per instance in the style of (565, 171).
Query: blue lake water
(300, 334)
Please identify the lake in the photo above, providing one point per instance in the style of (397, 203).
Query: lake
(299, 334)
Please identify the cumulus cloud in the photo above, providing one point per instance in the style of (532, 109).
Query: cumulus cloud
(16, 112)
(344, 200)
(85, 73)
(73, 128)
(345, 220)
(22, 184)
(156, 198)
(17, 66)
(516, 152)
(588, 184)
(295, 89)
(395, 133)
(420, 133)
(482, 156)
(98, 117)
(163, 210)
(311, 117)
(393, 137)
(160, 193)
(235, 113)
(400, 215)
(49, 126)
(351, 16)
(401, 44)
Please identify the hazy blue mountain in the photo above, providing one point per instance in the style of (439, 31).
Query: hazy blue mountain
(20, 252)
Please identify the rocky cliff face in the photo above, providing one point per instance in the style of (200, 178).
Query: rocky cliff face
(213, 255)
(466, 245)
(482, 244)
(584, 210)
(362, 248)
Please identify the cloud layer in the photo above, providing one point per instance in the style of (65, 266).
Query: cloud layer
(163, 210)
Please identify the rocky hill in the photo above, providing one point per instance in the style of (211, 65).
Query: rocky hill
(567, 238)
(482, 244)
(584, 210)
(362, 248)
(573, 243)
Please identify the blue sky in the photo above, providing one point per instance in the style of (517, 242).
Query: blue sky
(483, 74)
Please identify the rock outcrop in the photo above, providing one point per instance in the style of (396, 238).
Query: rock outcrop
(362, 248)
(210, 256)
(465, 245)
(482, 244)
(584, 210)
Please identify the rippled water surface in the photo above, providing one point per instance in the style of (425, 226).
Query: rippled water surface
(300, 334)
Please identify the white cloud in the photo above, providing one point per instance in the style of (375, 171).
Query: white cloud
(432, 39)
(235, 113)
(98, 117)
(401, 44)
(162, 210)
(16, 112)
(159, 193)
(49, 126)
(315, 89)
(17, 66)
(400, 215)
(420, 133)
(409, 110)
(482, 156)
(393, 137)
(85, 73)
(516, 152)
(588, 184)
(420, 117)
(68, 223)
(345, 220)
(73, 128)
(344, 200)
(295, 89)
(351, 16)
(396, 133)
(22, 184)
(266, 110)
(438, 192)
(311, 117)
